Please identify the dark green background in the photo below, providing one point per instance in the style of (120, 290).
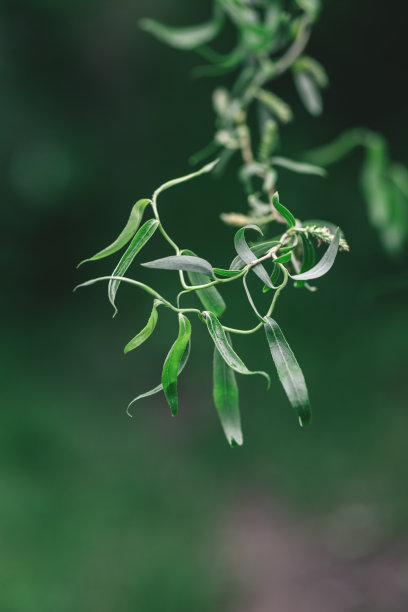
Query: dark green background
(102, 513)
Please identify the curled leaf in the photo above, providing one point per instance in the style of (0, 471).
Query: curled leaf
(146, 332)
(159, 388)
(225, 349)
(247, 255)
(299, 167)
(258, 249)
(173, 361)
(226, 399)
(326, 262)
(283, 211)
(140, 239)
(289, 372)
(126, 234)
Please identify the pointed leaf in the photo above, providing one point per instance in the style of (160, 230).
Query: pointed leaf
(159, 388)
(210, 298)
(184, 37)
(142, 237)
(326, 262)
(276, 272)
(227, 273)
(146, 332)
(283, 258)
(172, 363)
(247, 255)
(283, 211)
(126, 234)
(226, 399)
(182, 262)
(308, 257)
(226, 351)
(289, 372)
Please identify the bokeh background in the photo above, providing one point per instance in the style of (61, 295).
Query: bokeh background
(99, 512)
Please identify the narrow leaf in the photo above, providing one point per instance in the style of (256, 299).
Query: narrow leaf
(289, 372)
(298, 167)
(172, 363)
(210, 298)
(126, 234)
(184, 37)
(225, 349)
(159, 388)
(247, 255)
(308, 257)
(227, 273)
(141, 238)
(309, 93)
(226, 399)
(146, 332)
(182, 262)
(283, 211)
(326, 262)
(283, 258)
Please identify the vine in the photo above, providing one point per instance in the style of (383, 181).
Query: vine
(271, 41)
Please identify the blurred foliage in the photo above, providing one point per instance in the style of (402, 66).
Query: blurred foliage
(101, 512)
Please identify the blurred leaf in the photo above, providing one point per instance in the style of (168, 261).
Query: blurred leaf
(173, 361)
(185, 37)
(311, 7)
(226, 351)
(142, 237)
(126, 234)
(283, 211)
(279, 107)
(247, 255)
(182, 262)
(326, 262)
(373, 182)
(159, 388)
(146, 332)
(289, 372)
(309, 93)
(313, 67)
(210, 298)
(299, 167)
(226, 399)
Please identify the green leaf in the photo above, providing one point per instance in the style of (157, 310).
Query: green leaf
(187, 177)
(298, 167)
(276, 272)
(159, 388)
(308, 257)
(226, 351)
(326, 262)
(184, 37)
(146, 332)
(172, 363)
(210, 298)
(247, 255)
(141, 238)
(182, 262)
(258, 249)
(373, 181)
(226, 273)
(126, 234)
(226, 399)
(314, 68)
(289, 372)
(309, 93)
(283, 258)
(283, 211)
